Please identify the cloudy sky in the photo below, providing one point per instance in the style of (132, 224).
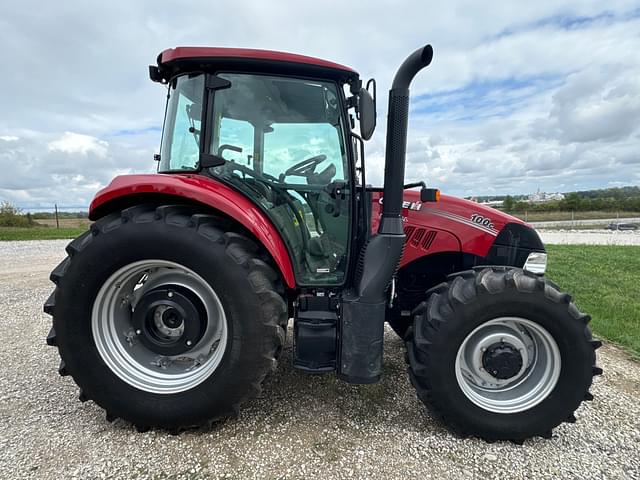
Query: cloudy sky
(520, 95)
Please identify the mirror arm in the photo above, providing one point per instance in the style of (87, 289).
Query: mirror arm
(414, 184)
(352, 102)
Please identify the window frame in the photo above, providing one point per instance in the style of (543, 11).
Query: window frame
(169, 129)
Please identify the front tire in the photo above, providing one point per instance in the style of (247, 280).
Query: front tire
(165, 318)
(501, 354)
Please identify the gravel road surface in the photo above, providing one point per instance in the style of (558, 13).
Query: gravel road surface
(302, 427)
(594, 221)
(589, 237)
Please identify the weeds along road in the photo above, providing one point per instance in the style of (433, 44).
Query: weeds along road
(302, 426)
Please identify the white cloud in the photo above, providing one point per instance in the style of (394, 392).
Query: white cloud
(527, 94)
(77, 143)
(598, 104)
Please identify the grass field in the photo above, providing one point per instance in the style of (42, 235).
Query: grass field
(65, 222)
(39, 233)
(605, 282)
(45, 229)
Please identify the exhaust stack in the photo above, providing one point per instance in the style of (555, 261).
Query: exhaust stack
(364, 308)
(397, 139)
(380, 258)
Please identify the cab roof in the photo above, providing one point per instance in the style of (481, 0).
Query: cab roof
(175, 61)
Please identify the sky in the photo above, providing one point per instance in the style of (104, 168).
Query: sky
(520, 96)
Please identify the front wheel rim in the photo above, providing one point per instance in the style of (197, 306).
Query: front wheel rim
(121, 347)
(534, 376)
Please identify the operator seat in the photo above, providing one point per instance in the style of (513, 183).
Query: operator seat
(322, 178)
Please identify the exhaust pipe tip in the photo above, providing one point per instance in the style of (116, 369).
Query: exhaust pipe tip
(415, 62)
(427, 55)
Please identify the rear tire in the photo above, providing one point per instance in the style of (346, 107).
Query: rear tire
(536, 390)
(251, 315)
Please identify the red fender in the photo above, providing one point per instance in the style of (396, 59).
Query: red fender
(209, 192)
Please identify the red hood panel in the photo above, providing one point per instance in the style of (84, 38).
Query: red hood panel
(475, 226)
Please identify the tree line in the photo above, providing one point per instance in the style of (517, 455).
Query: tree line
(625, 199)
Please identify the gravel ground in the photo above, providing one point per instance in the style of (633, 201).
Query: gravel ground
(593, 221)
(302, 427)
(589, 237)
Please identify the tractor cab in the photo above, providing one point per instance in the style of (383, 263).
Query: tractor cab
(276, 130)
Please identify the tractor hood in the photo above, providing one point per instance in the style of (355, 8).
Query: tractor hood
(470, 225)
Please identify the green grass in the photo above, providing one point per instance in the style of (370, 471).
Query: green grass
(605, 283)
(39, 233)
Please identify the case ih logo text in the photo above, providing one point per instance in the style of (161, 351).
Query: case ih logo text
(410, 205)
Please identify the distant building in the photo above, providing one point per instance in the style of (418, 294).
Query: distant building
(542, 197)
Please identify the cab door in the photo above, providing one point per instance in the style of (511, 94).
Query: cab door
(283, 143)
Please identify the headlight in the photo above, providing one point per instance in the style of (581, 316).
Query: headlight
(536, 263)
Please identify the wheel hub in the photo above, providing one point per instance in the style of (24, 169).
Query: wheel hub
(159, 326)
(502, 361)
(170, 317)
(169, 320)
(508, 364)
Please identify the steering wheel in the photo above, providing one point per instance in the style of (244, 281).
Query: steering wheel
(303, 168)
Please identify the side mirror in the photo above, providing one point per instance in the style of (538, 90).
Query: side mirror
(366, 113)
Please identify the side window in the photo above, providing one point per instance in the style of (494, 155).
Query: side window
(181, 139)
(232, 135)
(291, 143)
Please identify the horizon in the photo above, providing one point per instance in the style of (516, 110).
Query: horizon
(83, 209)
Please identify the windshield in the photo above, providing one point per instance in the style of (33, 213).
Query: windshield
(180, 149)
(277, 122)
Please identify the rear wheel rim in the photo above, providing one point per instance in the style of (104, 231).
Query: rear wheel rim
(121, 345)
(530, 379)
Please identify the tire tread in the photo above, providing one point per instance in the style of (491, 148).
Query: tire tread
(431, 316)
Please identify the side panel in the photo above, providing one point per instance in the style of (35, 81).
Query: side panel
(206, 191)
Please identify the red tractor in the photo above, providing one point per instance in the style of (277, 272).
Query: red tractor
(173, 308)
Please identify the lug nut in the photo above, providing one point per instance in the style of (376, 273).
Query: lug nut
(138, 332)
(189, 343)
(170, 294)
